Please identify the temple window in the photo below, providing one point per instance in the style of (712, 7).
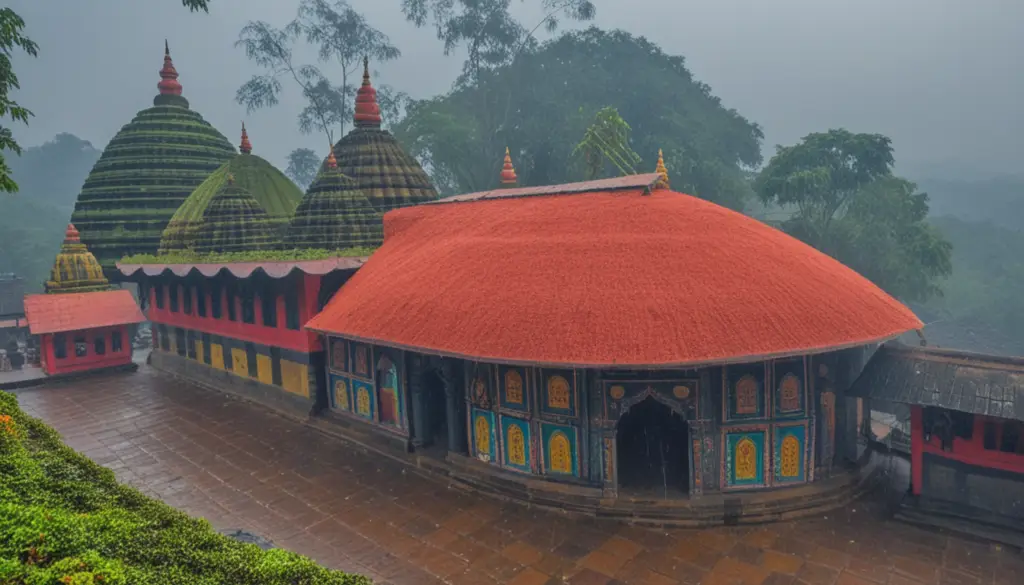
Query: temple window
(201, 301)
(339, 356)
(789, 393)
(559, 393)
(99, 346)
(158, 292)
(81, 348)
(387, 391)
(187, 300)
(991, 436)
(291, 310)
(173, 290)
(746, 395)
(248, 308)
(513, 388)
(268, 304)
(1013, 438)
(115, 341)
(362, 360)
(60, 346)
(215, 303)
(232, 307)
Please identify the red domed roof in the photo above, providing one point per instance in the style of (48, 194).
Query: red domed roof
(604, 277)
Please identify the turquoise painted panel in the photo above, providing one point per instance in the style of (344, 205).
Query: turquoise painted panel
(560, 449)
(364, 400)
(341, 393)
(514, 388)
(390, 401)
(483, 437)
(745, 458)
(790, 443)
(516, 445)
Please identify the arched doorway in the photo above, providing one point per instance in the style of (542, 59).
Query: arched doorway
(653, 452)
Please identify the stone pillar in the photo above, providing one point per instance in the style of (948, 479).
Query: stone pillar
(420, 416)
(453, 398)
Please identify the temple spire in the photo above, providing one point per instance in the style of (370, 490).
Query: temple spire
(332, 163)
(367, 110)
(508, 172)
(662, 182)
(168, 75)
(246, 146)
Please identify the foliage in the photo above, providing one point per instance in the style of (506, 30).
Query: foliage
(303, 166)
(11, 37)
(341, 35)
(195, 5)
(607, 140)
(189, 257)
(850, 206)
(542, 103)
(64, 519)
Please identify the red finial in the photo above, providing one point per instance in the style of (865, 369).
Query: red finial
(367, 110)
(71, 235)
(246, 147)
(168, 75)
(508, 172)
(332, 163)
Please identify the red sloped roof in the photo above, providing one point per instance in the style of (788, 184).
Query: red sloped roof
(56, 313)
(604, 279)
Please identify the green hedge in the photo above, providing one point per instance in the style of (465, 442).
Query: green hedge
(66, 521)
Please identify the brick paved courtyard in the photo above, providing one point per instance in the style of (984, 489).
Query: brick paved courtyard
(243, 467)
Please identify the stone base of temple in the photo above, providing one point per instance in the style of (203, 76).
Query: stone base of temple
(223, 381)
(29, 377)
(962, 520)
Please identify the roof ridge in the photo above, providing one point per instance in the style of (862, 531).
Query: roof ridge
(646, 181)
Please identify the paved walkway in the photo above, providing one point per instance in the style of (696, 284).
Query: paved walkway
(243, 467)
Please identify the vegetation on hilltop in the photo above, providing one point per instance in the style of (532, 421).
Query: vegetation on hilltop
(65, 519)
(187, 257)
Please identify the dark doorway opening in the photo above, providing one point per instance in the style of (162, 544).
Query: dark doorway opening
(653, 452)
(436, 433)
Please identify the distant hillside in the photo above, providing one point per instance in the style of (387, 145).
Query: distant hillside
(999, 200)
(32, 221)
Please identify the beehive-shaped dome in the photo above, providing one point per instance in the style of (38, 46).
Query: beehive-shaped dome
(76, 269)
(384, 172)
(145, 173)
(276, 194)
(234, 221)
(334, 215)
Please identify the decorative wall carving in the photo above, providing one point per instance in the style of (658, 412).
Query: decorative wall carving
(744, 459)
(743, 392)
(679, 395)
(561, 455)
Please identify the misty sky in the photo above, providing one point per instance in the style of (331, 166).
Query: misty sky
(941, 77)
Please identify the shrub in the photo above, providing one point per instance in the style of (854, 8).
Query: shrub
(66, 521)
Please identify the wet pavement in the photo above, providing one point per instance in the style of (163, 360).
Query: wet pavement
(245, 468)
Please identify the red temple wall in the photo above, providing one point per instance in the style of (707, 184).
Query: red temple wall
(256, 332)
(90, 361)
(970, 452)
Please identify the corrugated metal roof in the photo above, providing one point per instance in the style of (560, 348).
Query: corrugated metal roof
(955, 380)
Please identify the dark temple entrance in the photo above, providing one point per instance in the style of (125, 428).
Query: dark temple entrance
(652, 452)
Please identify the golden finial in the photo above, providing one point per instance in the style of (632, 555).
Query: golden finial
(332, 163)
(662, 182)
(508, 172)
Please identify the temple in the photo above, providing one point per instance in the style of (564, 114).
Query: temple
(82, 323)
(967, 436)
(145, 173)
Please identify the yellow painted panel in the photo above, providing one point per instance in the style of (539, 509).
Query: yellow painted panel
(239, 362)
(264, 369)
(199, 351)
(295, 378)
(217, 356)
(173, 344)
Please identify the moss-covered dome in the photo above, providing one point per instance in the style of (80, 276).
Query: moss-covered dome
(75, 270)
(276, 194)
(234, 221)
(334, 215)
(372, 156)
(145, 173)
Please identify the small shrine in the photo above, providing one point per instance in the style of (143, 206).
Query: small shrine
(82, 322)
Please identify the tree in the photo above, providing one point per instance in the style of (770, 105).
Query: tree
(344, 36)
(195, 5)
(552, 94)
(850, 206)
(607, 140)
(303, 166)
(11, 37)
(341, 35)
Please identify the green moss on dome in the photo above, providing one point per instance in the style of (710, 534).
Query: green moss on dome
(334, 215)
(384, 172)
(234, 221)
(149, 168)
(276, 194)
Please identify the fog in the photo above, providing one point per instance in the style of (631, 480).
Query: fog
(938, 76)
